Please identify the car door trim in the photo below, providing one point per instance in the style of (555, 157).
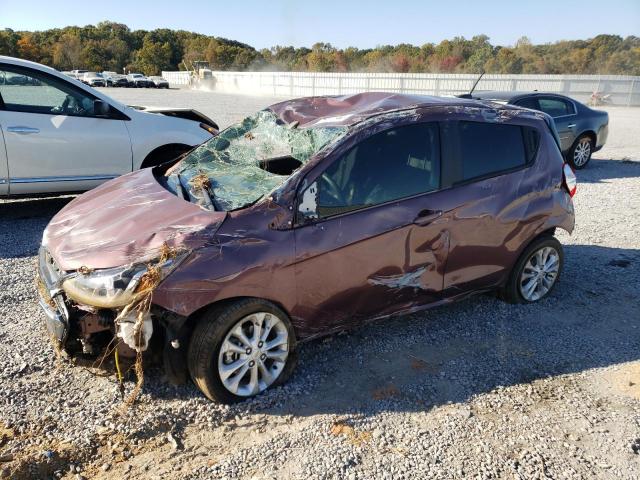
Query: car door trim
(78, 178)
(22, 130)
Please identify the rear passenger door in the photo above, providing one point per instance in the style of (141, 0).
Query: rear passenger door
(489, 178)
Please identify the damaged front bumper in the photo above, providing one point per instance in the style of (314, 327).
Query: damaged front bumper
(51, 298)
(78, 326)
(68, 321)
(57, 322)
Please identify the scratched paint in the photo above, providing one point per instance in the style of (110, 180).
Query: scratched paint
(404, 280)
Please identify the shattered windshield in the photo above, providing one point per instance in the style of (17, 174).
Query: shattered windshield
(246, 161)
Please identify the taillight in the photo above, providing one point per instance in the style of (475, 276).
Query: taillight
(570, 180)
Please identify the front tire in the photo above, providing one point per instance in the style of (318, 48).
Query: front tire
(580, 152)
(536, 272)
(240, 350)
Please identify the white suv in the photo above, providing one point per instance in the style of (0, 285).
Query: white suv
(59, 135)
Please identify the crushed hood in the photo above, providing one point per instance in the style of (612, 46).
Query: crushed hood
(126, 220)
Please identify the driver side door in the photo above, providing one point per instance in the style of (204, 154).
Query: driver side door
(371, 238)
(54, 141)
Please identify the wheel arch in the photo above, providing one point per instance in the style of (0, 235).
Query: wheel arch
(182, 328)
(161, 153)
(190, 322)
(546, 231)
(591, 134)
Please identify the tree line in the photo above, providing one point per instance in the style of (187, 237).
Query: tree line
(113, 46)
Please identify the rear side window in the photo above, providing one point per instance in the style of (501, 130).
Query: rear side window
(556, 107)
(528, 102)
(491, 148)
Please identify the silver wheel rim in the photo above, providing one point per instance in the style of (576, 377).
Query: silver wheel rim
(582, 153)
(539, 273)
(253, 354)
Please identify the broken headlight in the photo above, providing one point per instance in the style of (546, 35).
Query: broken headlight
(113, 287)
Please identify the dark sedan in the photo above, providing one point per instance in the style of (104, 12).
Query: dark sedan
(581, 129)
(139, 80)
(119, 81)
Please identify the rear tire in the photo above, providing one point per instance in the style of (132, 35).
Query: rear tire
(228, 342)
(580, 152)
(536, 272)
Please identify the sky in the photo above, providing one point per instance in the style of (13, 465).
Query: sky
(343, 23)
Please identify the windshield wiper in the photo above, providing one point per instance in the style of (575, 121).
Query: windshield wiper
(203, 183)
(207, 198)
(179, 187)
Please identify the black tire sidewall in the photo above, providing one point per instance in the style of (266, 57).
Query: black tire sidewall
(208, 337)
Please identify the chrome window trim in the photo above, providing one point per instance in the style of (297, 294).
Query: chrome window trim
(79, 178)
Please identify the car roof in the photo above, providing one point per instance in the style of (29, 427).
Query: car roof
(347, 110)
(510, 95)
(27, 63)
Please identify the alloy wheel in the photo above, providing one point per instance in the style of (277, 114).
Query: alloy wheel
(253, 354)
(582, 152)
(539, 273)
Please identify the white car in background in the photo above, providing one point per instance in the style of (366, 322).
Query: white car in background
(93, 79)
(59, 135)
(159, 82)
(77, 74)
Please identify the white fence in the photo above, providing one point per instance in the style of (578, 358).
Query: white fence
(620, 90)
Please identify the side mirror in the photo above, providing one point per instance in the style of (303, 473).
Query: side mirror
(101, 108)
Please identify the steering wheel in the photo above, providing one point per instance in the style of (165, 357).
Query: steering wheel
(70, 105)
(333, 190)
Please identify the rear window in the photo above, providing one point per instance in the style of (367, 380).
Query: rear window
(490, 148)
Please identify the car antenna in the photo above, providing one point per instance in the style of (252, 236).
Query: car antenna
(475, 84)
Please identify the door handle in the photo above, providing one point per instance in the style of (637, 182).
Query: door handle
(427, 216)
(571, 125)
(23, 130)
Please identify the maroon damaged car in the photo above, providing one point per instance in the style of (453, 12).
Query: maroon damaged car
(308, 217)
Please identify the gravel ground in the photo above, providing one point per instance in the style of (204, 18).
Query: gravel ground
(479, 389)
